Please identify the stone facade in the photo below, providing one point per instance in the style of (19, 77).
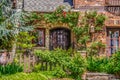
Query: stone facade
(79, 3)
(110, 8)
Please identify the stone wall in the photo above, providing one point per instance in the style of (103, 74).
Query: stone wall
(112, 20)
(98, 76)
(78, 3)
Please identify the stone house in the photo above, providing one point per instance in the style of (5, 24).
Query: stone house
(61, 36)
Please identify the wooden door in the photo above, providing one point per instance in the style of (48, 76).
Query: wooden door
(113, 40)
(60, 38)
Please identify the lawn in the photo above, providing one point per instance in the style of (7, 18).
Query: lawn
(43, 75)
(24, 76)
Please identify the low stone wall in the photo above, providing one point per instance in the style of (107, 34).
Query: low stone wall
(6, 57)
(3, 58)
(98, 76)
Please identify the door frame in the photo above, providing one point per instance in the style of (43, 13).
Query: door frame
(61, 28)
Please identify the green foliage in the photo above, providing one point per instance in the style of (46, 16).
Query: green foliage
(59, 73)
(94, 48)
(97, 64)
(114, 64)
(59, 16)
(10, 68)
(37, 67)
(9, 23)
(76, 64)
(83, 32)
(24, 76)
(33, 18)
(24, 41)
(56, 56)
(6, 43)
(108, 65)
(99, 22)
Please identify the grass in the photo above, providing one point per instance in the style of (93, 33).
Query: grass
(48, 74)
(42, 75)
(24, 76)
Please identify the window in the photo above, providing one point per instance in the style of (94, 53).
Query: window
(113, 40)
(41, 37)
(113, 9)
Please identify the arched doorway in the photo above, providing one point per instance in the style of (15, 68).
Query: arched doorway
(60, 38)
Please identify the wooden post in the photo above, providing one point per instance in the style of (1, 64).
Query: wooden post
(33, 61)
(25, 62)
(29, 63)
(21, 59)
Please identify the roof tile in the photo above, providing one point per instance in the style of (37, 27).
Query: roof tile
(45, 5)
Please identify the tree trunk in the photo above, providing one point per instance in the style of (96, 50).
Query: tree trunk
(13, 52)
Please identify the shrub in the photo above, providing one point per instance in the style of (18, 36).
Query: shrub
(77, 66)
(97, 64)
(59, 73)
(10, 68)
(57, 56)
(113, 66)
(37, 67)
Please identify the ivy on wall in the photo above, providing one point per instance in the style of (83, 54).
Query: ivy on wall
(83, 26)
(56, 17)
(90, 24)
(60, 16)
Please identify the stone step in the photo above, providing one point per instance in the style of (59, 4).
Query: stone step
(98, 76)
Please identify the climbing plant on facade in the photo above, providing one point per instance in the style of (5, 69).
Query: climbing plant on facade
(60, 16)
(83, 26)
(90, 23)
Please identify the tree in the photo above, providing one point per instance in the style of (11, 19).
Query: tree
(12, 21)
(10, 24)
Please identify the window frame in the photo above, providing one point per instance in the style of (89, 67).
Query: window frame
(43, 37)
(109, 44)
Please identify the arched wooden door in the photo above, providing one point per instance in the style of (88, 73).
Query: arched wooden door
(60, 38)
